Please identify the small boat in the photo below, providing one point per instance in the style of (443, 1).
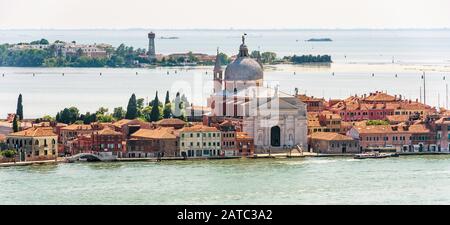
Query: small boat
(374, 155)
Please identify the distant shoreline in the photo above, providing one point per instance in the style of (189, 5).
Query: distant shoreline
(226, 29)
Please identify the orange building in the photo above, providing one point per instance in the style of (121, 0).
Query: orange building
(245, 144)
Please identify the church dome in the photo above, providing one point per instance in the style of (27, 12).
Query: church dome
(243, 67)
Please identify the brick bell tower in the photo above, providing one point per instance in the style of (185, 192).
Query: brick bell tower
(151, 46)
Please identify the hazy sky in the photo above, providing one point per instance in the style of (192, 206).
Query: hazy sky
(224, 14)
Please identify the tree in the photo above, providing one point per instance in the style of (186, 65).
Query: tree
(132, 112)
(19, 110)
(167, 98)
(268, 57)
(9, 153)
(140, 106)
(68, 115)
(155, 114)
(167, 112)
(102, 111)
(15, 124)
(119, 113)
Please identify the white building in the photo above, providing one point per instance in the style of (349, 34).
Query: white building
(200, 141)
(277, 121)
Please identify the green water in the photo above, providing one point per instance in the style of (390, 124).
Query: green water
(403, 180)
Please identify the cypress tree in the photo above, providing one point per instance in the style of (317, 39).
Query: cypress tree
(167, 98)
(15, 124)
(167, 112)
(155, 115)
(19, 110)
(132, 112)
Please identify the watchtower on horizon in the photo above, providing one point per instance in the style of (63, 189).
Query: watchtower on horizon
(151, 46)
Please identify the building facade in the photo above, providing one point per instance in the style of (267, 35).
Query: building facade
(35, 143)
(200, 141)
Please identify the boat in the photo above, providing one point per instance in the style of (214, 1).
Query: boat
(374, 155)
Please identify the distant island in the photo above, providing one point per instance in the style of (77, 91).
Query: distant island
(319, 39)
(42, 53)
(169, 38)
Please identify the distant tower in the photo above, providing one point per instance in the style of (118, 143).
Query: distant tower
(217, 74)
(151, 46)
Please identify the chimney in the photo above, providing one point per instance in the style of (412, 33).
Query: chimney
(417, 100)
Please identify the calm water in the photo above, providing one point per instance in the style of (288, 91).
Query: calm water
(403, 180)
(48, 91)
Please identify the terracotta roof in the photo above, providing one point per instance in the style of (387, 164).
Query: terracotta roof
(159, 133)
(330, 136)
(199, 128)
(380, 97)
(398, 118)
(108, 131)
(35, 132)
(242, 135)
(443, 120)
(375, 129)
(419, 128)
(77, 127)
(305, 98)
(170, 121)
(121, 122)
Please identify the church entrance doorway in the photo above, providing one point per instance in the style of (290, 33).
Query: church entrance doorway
(275, 136)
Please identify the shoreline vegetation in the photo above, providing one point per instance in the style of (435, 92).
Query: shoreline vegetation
(42, 53)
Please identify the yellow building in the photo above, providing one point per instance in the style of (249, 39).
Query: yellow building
(35, 143)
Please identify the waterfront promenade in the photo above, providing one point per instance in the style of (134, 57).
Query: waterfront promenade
(255, 157)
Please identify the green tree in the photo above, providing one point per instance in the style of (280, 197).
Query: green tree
(268, 57)
(377, 122)
(132, 112)
(15, 124)
(167, 112)
(140, 106)
(19, 110)
(119, 113)
(155, 114)
(167, 98)
(9, 153)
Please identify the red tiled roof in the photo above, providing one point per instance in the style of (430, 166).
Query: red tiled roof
(35, 132)
(199, 128)
(159, 133)
(330, 136)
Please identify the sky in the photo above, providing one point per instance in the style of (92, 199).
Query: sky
(224, 14)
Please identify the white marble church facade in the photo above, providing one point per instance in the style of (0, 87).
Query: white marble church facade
(277, 121)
